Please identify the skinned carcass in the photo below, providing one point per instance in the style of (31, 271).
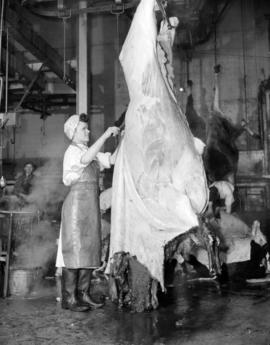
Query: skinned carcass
(159, 184)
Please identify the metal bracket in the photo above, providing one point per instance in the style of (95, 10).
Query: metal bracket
(116, 10)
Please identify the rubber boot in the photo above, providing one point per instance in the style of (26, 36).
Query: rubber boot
(69, 289)
(84, 281)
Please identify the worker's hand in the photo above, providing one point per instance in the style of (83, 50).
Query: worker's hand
(174, 21)
(112, 132)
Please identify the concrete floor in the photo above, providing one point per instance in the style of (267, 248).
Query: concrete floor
(195, 312)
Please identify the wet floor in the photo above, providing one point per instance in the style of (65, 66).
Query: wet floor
(195, 312)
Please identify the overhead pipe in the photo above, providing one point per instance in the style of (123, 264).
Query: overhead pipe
(7, 61)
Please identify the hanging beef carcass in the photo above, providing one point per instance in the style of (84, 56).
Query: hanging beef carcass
(221, 159)
(219, 133)
(221, 153)
(159, 183)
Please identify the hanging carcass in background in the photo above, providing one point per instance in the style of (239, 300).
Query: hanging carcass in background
(219, 133)
(221, 159)
(196, 122)
(221, 154)
(159, 184)
(237, 239)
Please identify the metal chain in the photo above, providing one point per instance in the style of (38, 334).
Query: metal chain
(215, 34)
(64, 14)
(244, 59)
(64, 53)
(215, 44)
(7, 58)
(117, 35)
(1, 28)
(117, 13)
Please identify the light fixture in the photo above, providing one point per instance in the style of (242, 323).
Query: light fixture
(118, 2)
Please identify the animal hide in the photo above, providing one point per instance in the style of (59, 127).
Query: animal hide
(221, 153)
(196, 123)
(130, 284)
(159, 184)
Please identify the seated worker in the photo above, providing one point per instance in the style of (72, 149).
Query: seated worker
(220, 197)
(24, 183)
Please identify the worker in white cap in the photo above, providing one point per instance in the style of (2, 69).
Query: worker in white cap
(79, 248)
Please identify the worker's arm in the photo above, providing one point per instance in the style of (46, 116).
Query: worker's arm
(96, 147)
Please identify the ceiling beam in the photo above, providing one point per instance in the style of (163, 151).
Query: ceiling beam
(21, 30)
(51, 100)
(95, 7)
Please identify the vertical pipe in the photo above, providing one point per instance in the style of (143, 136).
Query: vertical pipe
(214, 23)
(244, 60)
(82, 73)
(7, 58)
(5, 293)
(1, 28)
(266, 116)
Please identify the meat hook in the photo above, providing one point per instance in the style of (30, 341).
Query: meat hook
(161, 5)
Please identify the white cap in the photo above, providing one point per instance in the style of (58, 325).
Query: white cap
(71, 125)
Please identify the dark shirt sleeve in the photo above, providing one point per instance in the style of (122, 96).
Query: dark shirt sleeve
(23, 185)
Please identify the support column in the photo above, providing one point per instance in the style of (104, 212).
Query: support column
(82, 71)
